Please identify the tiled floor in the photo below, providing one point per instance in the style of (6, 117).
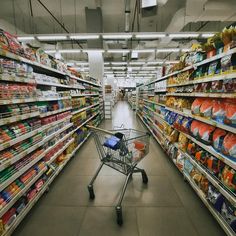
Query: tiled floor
(167, 206)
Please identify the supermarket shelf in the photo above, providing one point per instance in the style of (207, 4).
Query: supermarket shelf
(217, 216)
(85, 122)
(14, 78)
(56, 122)
(47, 138)
(13, 56)
(29, 206)
(84, 95)
(229, 196)
(21, 171)
(159, 141)
(211, 150)
(55, 112)
(79, 146)
(16, 158)
(223, 76)
(22, 192)
(16, 101)
(208, 121)
(9, 120)
(85, 81)
(231, 51)
(52, 99)
(53, 158)
(85, 108)
(156, 103)
(19, 139)
(210, 95)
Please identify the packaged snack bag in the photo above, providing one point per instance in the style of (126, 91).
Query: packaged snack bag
(218, 110)
(228, 177)
(214, 165)
(230, 115)
(215, 197)
(183, 142)
(229, 145)
(218, 138)
(228, 212)
(195, 108)
(195, 125)
(206, 133)
(206, 108)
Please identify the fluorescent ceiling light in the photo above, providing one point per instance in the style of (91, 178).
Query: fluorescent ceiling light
(185, 50)
(92, 50)
(168, 50)
(52, 37)
(118, 51)
(143, 50)
(137, 62)
(183, 35)
(70, 51)
(134, 68)
(154, 62)
(106, 63)
(82, 63)
(50, 51)
(149, 68)
(119, 63)
(150, 36)
(117, 36)
(119, 68)
(171, 62)
(85, 36)
(25, 38)
(207, 35)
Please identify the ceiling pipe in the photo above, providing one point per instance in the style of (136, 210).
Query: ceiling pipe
(127, 26)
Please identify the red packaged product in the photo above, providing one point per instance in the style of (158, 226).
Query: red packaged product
(206, 133)
(218, 138)
(229, 145)
(206, 108)
(195, 108)
(230, 115)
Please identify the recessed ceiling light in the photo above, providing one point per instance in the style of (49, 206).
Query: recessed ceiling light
(207, 35)
(119, 63)
(168, 50)
(137, 62)
(84, 37)
(118, 51)
(50, 51)
(143, 50)
(70, 51)
(52, 37)
(25, 38)
(117, 36)
(150, 36)
(184, 35)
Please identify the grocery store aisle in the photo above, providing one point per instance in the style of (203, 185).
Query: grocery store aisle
(166, 206)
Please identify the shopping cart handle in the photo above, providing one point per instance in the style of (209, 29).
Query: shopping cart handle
(99, 129)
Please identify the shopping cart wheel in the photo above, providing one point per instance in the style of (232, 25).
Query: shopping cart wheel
(144, 176)
(91, 192)
(119, 215)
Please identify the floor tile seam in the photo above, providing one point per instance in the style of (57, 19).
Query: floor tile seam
(124, 205)
(82, 221)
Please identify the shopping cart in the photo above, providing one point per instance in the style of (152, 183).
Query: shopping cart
(122, 150)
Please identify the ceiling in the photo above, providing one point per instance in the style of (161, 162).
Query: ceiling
(22, 17)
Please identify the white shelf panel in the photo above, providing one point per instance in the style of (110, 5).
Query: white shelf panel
(19, 139)
(216, 215)
(15, 78)
(84, 95)
(13, 56)
(55, 112)
(84, 109)
(21, 193)
(223, 76)
(210, 95)
(205, 120)
(9, 120)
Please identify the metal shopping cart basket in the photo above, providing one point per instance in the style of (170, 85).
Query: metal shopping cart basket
(122, 150)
